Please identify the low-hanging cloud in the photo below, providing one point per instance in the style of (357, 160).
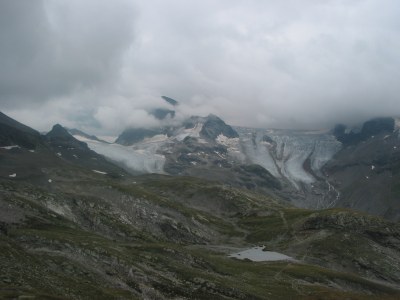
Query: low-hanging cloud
(103, 65)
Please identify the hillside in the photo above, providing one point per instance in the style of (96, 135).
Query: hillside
(69, 231)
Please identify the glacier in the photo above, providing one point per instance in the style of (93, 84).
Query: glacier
(141, 158)
(296, 156)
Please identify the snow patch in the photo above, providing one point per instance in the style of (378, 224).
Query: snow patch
(192, 132)
(99, 172)
(81, 138)
(227, 142)
(62, 210)
(397, 123)
(59, 154)
(233, 145)
(12, 175)
(156, 139)
(50, 181)
(10, 147)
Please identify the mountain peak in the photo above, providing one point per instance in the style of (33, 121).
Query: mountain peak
(369, 128)
(60, 137)
(214, 126)
(58, 131)
(171, 101)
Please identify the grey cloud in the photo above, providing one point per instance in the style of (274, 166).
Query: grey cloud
(52, 48)
(302, 64)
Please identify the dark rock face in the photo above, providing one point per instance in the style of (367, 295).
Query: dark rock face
(260, 177)
(11, 136)
(170, 100)
(133, 135)
(214, 126)
(15, 133)
(59, 136)
(6, 120)
(369, 128)
(162, 113)
(367, 170)
(378, 125)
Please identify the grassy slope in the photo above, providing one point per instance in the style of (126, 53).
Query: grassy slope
(73, 243)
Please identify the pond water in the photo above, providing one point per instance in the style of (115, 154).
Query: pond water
(257, 254)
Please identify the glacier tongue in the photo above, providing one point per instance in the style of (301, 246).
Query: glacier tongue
(292, 155)
(258, 151)
(142, 158)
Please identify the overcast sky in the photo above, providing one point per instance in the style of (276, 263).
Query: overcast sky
(101, 65)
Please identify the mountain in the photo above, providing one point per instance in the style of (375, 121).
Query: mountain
(162, 113)
(366, 171)
(369, 128)
(214, 127)
(27, 155)
(187, 149)
(60, 137)
(70, 229)
(14, 133)
(171, 101)
(311, 169)
(286, 163)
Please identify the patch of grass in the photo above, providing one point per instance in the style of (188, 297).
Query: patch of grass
(267, 228)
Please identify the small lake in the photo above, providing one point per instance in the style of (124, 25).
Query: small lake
(258, 254)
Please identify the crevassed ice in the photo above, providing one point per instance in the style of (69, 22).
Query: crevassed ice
(285, 153)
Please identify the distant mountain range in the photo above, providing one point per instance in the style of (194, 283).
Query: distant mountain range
(310, 169)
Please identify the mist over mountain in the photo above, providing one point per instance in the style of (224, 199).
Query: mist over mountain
(102, 67)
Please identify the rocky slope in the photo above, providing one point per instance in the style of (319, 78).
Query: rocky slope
(68, 231)
(15, 133)
(366, 170)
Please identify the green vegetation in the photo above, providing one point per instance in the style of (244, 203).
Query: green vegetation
(96, 237)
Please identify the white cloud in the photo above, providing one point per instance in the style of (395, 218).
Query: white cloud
(256, 63)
